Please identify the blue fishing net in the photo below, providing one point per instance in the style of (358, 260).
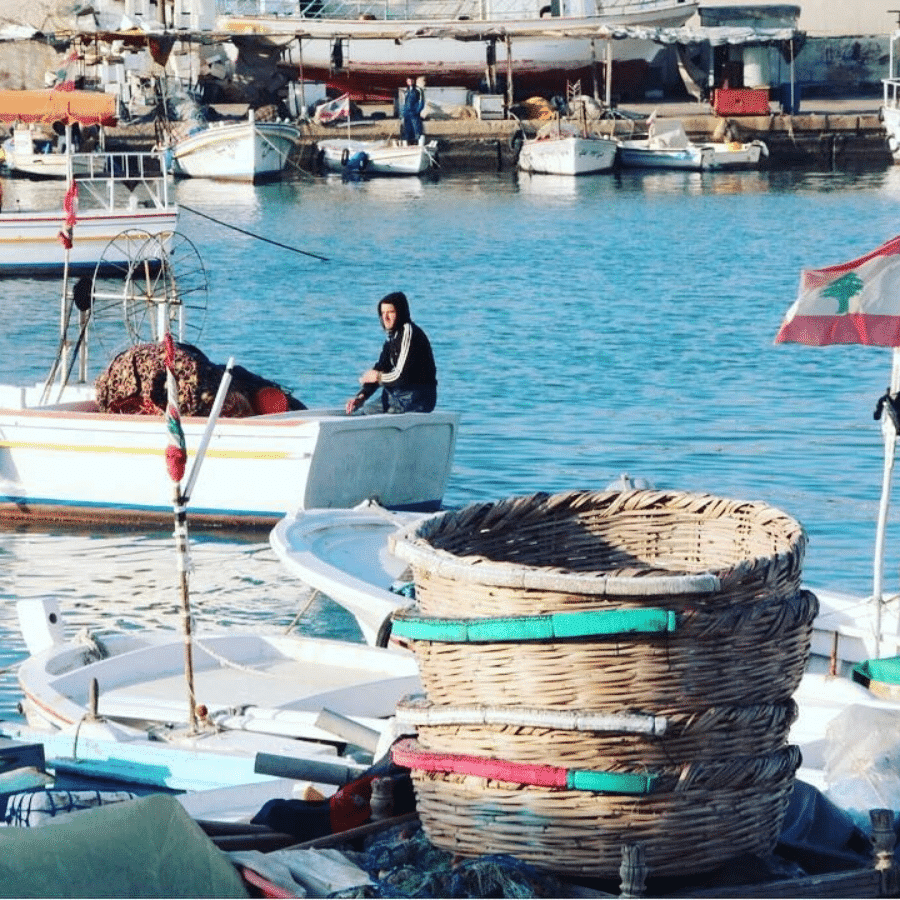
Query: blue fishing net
(402, 862)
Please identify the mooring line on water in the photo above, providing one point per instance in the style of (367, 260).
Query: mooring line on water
(259, 237)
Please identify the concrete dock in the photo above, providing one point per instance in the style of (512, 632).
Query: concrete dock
(827, 134)
(830, 134)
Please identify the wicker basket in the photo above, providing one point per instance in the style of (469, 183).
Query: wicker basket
(547, 553)
(712, 815)
(724, 574)
(753, 653)
(598, 742)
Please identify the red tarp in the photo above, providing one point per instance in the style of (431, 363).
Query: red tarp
(68, 107)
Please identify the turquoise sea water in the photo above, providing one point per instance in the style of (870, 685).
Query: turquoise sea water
(584, 328)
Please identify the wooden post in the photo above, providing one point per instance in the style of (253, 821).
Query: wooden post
(883, 842)
(93, 700)
(491, 69)
(633, 871)
(608, 73)
(509, 74)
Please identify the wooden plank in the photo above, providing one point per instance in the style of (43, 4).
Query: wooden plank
(860, 883)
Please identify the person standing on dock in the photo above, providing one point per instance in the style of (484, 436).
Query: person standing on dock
(411, 128)
(405, 369)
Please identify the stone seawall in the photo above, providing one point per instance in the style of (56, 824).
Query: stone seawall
(830, 140)
(814, 140)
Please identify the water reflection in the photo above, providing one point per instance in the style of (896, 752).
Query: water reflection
(110, 582)
(206, 193)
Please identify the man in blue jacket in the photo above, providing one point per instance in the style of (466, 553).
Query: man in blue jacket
(405, 369)
(411, 114)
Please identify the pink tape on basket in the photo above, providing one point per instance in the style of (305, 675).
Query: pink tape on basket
(406, 753)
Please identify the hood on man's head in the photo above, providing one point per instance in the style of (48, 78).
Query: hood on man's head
(398, 300)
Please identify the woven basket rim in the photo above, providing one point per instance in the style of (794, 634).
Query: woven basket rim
(411, 545)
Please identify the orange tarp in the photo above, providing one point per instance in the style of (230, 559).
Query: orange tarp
(68, 107)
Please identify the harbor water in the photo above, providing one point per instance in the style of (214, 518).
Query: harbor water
(584, 328)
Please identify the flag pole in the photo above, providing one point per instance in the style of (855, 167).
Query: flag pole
(889, 433)
(176, 462)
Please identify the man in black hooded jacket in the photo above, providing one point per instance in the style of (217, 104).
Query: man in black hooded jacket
(405, 370)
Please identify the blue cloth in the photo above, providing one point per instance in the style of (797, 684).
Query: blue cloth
(418, 399)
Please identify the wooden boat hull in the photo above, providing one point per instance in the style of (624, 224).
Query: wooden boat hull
(296, 699)
(381, 157)
(117, 192)
(30, 153)
(239, 151)
(636, 154)
(737, 156)
(568, 156)
(265, 677)
(30, 242)
(429, 45)
(69, 463)
(345, 555)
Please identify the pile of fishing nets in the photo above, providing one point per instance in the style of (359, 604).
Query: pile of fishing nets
(135, 382)
(536, 108)
(402, 862)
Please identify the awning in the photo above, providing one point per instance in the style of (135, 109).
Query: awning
(68, 107)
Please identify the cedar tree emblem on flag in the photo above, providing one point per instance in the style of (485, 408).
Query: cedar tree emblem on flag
(857, 302)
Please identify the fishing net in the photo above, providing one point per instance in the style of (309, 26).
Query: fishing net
(135, 383)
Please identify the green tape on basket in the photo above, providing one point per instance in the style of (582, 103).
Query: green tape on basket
(610, 782)
(594, 623)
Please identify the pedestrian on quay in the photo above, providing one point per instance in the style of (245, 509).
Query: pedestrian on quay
(411, 128)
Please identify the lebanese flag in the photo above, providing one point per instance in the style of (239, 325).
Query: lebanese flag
(856, 302)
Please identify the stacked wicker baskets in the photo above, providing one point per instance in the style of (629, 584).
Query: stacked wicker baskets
(572, 646)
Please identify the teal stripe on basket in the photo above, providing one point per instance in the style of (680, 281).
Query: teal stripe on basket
(610, 782)
(593, 623)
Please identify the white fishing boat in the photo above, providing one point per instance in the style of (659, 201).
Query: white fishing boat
(368, 48)
(376, 157)
(106, 194)
(29, 151)
(345, 555)
(889, 111)
(666, 146)
(737, 154)
(348, 555)
(246, 693)
(567, 149)
(247, 150)
(70, 463)
(65, 457)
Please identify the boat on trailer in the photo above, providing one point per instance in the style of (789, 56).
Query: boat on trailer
(368, 48)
